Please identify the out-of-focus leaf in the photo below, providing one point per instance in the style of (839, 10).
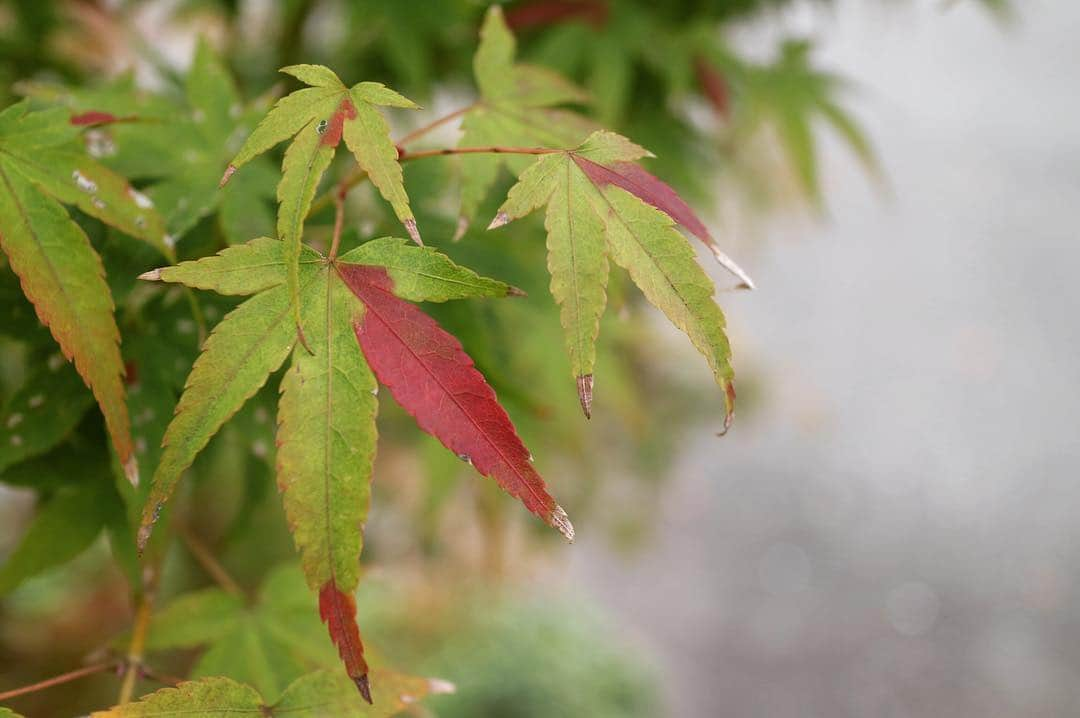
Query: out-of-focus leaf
(517, 108)
(42, 413)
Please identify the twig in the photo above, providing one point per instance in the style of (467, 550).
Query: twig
(209, 563)
(133, 664)
(405, 157)
(421, 131)
(60, 679)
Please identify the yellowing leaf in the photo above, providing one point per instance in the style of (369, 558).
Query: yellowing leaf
(597, 206)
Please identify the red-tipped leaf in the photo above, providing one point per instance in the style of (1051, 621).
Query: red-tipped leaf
(431, 376)
(654, 191)
(338, 611)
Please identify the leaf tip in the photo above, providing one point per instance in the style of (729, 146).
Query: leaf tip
(414, 233)
(364, 686)
(229, 172)
(131, 470)
(729, 400)
(501, 219)
(462, 228)
(512, 291)
(560, 521)
(585, 393)
(154, 275)
(729, 264)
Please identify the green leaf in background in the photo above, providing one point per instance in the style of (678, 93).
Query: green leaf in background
(517, 108)
(67, 521)
(316, 695)
(179, 146)
(59, 270)
(42, 413)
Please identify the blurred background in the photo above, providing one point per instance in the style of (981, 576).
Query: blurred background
(888, 530)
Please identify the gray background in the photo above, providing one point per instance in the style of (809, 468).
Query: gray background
(891, 530)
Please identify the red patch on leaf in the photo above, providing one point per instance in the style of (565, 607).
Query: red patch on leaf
(332, 134)
(338, 611)
(93, 118)
(648, 188)
(552, 12)
(433, 379)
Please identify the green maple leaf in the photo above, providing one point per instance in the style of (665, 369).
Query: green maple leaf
(178, 145)
(518, 107)
(266, 644)
(319, 117)
(42, 168)
(78, 501)
(600, 206)
(315, 695)
(326, 415)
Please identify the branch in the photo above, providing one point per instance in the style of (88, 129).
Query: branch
(420, 132)
(60, 679)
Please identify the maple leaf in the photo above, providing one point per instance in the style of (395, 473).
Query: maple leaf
(267, 643)
(177, 145)
(356, 307)
(600, 205)
(319, 117)
(41, 169)
(315, 695)
(517, 107)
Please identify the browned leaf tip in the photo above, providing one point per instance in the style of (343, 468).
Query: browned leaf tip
(561, 522)
(303, 340)
(229, 172)
(131, 470)
(585, 393)
(729, 400)
(154, 275)
(513, 291)
(414, 233)
(729, 264)
(500, 219)
(364, 686)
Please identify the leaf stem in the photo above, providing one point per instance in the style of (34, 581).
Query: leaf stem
(421, 131)
(209, 563)
(354, 178)
(60, 679)
(339, 217)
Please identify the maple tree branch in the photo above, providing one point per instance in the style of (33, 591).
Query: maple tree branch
(60, 679)
(421, 131)
(209, 563)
